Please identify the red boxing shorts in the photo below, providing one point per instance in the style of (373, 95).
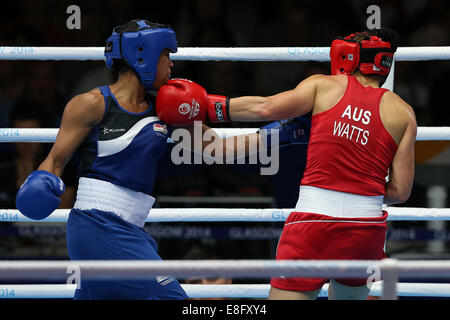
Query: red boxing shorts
(309, 236)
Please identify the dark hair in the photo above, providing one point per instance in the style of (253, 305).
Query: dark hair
(360, 36)
(389, 35)
(385, 34)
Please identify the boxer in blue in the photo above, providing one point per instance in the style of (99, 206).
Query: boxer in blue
(119, 139)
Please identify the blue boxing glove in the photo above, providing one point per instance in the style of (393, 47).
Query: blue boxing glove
(290, 131)
(39, 195)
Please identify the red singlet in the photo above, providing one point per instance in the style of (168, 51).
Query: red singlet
(349, 148)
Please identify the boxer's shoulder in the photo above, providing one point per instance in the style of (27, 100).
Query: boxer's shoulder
(393, 105)
(330, 89)
(326, 84)
(88, 106)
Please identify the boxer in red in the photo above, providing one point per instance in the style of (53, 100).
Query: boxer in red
(360, 134)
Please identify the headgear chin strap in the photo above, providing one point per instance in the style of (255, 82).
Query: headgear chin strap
(373, 56)
(140, 48)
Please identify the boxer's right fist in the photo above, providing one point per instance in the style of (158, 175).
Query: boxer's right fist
(181, 102)
(290, 131)
(39, 195)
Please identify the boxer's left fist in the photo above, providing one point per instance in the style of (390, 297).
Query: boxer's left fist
(181, 102)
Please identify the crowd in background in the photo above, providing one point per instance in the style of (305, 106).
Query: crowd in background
(33, 93)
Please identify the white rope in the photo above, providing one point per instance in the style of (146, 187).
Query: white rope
(48, 135)
(433, 133)
(144, 269)
(218, 54)
(233, 214)
(261, 291)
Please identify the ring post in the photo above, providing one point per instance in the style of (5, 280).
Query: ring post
(389, 274)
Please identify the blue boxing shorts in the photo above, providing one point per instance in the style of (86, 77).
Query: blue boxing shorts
(100, 235)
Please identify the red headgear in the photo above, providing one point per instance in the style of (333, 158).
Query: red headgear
(372, 56)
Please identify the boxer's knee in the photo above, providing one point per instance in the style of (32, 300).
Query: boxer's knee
(338, 291)
(278, 294)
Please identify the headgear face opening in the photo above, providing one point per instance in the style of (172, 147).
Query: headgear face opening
(140, 47)
(372, 56)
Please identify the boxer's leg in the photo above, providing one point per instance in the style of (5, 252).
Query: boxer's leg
(338, 291)
(278, 294)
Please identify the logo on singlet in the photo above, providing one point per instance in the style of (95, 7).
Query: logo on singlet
(106, 130)
(163, 280)
(160, 128)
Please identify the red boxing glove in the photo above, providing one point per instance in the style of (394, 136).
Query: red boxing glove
(181, 102)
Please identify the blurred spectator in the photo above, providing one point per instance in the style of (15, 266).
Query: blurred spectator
(293, 28)
(118, 12)
(83, 76)
(414, 90)
(11, 87)
(97, 23)
(36, 23)
(42, 86)
(203, 32)
(242, 20)
(27, 157)
(198, 15)
(440, 110)
(432, 27)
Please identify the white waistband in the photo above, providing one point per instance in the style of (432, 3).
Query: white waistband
(130, 205)
(338, 204)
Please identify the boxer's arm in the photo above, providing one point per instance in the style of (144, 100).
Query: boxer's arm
(80, 114)
(40, 194)
(213, 144)
(285, 105)
(204, 139)
(401, 173)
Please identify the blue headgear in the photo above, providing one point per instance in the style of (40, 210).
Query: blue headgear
(140, 48)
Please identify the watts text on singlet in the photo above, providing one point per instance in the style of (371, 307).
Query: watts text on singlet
(352, 132)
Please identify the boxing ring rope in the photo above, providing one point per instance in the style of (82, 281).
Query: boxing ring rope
(235, 215)
(48, 135)
(216, 54)
(256, 291)
(391, 269)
